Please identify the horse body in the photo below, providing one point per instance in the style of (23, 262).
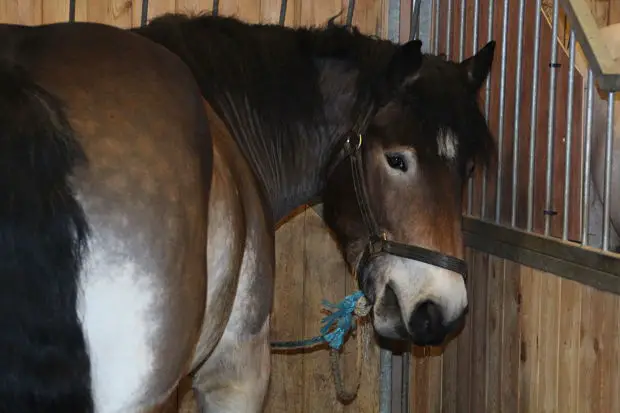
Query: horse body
(138, 116)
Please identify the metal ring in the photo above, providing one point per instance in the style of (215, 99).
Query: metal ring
(347, 143)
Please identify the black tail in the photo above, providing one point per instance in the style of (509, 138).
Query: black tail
(44, 365)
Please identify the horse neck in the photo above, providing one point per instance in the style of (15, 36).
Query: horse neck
(289, 159)
(286, 107)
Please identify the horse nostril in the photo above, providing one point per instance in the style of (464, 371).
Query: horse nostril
(427, 324)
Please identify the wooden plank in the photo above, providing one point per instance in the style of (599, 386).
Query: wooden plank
(367, 400)
(246, 10)
(368, 15)
(479, 343)
(270, 11)
(156, 8)
(494, 334)
(28, 12)
(608, 324)
(317, 13)
(54, 11)
(450, 377)
(548, 342)
(529, 354)
(325, 274)
(589, 381)
(464, 341)
(600, 10)
(287, 323)
(614, 12)
(568, 355)
(194, 6)
(420, 376)
(120, 13)
(426, 379)
(511, 338)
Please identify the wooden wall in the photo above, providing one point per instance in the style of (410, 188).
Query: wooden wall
(534, 342)
(309, 266)
(605, 12)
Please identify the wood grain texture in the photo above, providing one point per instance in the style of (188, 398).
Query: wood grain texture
(120, 13)
(28, 12)
(546, 344)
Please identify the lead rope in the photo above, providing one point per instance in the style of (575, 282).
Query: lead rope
(346, 315)
(362, 309)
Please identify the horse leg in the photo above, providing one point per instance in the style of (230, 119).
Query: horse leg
(236, 376)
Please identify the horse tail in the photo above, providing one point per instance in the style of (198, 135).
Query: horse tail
(44, 364)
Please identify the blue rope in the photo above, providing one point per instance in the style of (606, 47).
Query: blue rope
(336, 325)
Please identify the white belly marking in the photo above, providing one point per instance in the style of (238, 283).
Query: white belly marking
(114, 306)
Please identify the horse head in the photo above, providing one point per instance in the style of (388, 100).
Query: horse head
(396, 206)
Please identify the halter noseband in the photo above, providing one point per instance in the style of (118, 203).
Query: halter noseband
(378, 242)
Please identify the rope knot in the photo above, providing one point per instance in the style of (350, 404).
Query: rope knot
(362, 307)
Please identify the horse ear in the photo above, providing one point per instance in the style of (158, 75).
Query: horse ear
(405, 61)
(478, 66)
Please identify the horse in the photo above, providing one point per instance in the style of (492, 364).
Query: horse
(384, 135)
(152, 167)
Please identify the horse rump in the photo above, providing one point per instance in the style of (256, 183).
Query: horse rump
(44, 364)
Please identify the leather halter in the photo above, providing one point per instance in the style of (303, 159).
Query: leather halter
(378, 242)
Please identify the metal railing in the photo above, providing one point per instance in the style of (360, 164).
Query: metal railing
(548, 175)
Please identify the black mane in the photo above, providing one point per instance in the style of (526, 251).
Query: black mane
(274, 66)
(295, 91)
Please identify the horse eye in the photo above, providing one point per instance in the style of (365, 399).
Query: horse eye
(396, 161)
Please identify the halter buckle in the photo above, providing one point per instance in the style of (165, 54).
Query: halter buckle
(348, 144)
(376, 243)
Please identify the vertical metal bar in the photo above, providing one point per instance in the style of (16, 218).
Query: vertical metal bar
(414, 31)
(385, 356)
(487, 111)
(551, 120)
(385, 389)
(533, 119)
(144, 16)
(569, 135)
(350, 11)
(502, 104)
(608, 160)
(216, 7)
(517, 121)
(394, 20)
(462, 24)
(283, 7)
(426, 18)
(470, 185)
(436, 19)
(71, 11)
(449, 29)
(404, 406)
(585, 190)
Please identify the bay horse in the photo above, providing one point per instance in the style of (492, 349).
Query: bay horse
(143, 181)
